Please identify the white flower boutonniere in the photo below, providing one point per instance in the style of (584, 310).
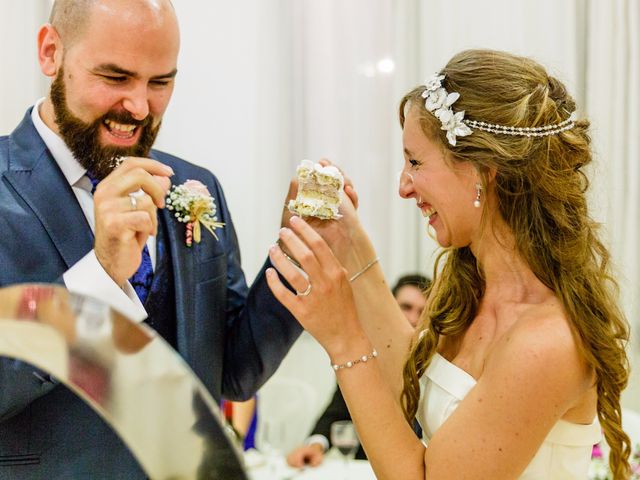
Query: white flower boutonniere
(192, 204)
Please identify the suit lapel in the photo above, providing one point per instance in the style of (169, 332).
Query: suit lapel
(39, 182)
(183, 273)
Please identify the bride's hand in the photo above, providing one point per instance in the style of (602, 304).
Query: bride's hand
(348, 184)
(293, 191)
(324, 303)
(346, 236)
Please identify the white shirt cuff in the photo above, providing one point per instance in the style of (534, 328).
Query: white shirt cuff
(319, 439)
(87, 277)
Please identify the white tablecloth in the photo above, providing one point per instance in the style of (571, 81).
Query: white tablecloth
(274, 467)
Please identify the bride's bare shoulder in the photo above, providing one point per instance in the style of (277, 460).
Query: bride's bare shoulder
(542, 340)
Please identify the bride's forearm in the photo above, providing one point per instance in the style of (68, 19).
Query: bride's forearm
(389, 441)
(385, 325)
(379, 312)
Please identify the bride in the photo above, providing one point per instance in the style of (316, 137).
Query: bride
(519, 362)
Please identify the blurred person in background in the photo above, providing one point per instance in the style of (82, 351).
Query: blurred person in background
(243, 418)
(409, 293)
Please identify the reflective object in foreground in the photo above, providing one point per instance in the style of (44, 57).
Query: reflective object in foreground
(127, 374)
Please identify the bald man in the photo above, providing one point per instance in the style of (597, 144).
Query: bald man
(82, 203)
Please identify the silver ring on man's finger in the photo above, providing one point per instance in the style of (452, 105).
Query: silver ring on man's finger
(306, 292)
(134, 196)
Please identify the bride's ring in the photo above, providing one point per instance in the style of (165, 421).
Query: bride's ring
(306, 292)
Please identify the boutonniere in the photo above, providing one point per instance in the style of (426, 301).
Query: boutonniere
(192, 204)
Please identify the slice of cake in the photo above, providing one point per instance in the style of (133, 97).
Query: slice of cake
(318, 191)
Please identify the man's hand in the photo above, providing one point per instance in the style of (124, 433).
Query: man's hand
(122, 224)
(312, 455)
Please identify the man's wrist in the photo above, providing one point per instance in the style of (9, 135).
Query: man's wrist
(359, 253)
(88, 277)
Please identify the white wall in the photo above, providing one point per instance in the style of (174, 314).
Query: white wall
(231, 111)
(20, 79)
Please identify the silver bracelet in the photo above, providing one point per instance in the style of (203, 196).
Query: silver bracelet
(366, 267)
(362, 359)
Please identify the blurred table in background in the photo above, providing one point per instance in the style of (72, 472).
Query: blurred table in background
(274, 467)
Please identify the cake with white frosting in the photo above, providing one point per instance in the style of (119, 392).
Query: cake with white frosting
(318, 191)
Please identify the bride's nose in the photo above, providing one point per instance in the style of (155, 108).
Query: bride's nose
(405, 180)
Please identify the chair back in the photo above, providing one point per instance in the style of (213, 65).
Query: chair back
(286, 409)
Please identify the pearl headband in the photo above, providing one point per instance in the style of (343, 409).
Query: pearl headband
(438, 101)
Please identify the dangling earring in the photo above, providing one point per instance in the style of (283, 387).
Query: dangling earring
(476, 202)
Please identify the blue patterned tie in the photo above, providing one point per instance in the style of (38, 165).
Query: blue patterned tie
(141, 280)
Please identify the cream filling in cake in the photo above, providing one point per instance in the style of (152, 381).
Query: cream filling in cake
(318, 191)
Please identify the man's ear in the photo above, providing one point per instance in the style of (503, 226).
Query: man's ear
(50, 50)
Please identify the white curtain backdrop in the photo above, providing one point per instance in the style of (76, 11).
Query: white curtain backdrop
(20, 79)
(232, 110)
(613, 105)
(263, 85)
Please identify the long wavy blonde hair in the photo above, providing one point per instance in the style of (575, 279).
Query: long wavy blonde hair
(540, 186)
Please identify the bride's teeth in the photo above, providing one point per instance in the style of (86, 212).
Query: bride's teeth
(429, 212)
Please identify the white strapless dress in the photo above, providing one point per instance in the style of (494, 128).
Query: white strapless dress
(565, 453)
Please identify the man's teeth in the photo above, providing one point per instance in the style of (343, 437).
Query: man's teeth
(120, 127)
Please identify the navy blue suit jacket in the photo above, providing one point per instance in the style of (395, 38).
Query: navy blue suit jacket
(232, 337)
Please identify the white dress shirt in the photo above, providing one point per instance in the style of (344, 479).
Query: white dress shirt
(87, 276)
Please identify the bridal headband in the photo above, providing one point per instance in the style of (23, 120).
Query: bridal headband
(438, 101)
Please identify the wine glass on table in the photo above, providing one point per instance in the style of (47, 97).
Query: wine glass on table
(345, 439)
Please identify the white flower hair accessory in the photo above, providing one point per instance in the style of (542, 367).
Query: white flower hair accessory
(438, 101)
(194, 205)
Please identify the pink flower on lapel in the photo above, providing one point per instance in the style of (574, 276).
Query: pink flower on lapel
(197, 188)
(192, 204)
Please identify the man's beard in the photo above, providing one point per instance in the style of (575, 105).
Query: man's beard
(83, 139)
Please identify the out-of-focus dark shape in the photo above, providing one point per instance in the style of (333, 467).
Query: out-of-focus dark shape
(129, 375)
